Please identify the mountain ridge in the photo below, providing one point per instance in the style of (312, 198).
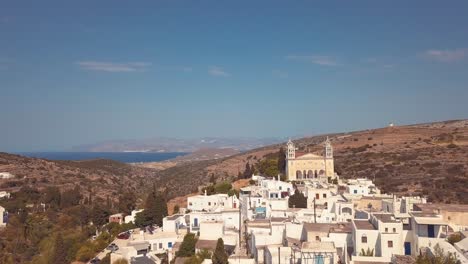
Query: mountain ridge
(167, 144)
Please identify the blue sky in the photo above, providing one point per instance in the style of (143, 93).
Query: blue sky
(76, 72)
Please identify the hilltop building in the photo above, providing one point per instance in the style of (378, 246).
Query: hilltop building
(309, 166)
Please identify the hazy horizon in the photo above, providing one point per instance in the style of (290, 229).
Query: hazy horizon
(75, 73)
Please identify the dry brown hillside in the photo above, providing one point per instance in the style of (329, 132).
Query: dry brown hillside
(99, 177)
(429, 159)
(426, 159)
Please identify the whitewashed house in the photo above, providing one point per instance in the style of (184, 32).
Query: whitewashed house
(361, 186)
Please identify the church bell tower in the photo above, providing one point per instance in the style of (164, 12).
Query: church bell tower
(328, 149)
(291, 150)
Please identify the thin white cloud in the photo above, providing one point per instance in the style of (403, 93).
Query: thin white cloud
(173, 68)
(446, 55)
(316, 59)
(218, 71)
(113, 67)
(280, 74)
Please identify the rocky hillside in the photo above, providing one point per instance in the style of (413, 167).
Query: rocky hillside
(425, 159)
(100, 177)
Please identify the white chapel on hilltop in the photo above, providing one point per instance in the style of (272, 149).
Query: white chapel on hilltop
(309, 166)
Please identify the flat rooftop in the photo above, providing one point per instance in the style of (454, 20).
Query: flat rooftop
(363, 225)
(328, 228)
(386, 218)
(443, 207)
(317, 227)
(318, 246)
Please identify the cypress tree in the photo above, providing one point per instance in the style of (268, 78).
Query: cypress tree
(220, 256)
(187, 248)
(282, 160)
(247, 171)
(60, 251)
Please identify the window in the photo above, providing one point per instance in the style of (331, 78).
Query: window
(386, 230)
(394, 230)
(390, 244)
(280, 188)
(169, 244)
(160, 245)
(364, 239)
(355, 191)
(324, 195)
(190, 204)
(317, 238)
(209, 203)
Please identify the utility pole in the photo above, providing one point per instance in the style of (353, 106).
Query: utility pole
(315, 216)
(240, 224)
(279, 255)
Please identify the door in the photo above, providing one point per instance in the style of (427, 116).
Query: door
(408, 248)
(319, 259)
(430, 231)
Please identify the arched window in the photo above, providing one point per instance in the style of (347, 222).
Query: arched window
(310, 174)
(321, 172)
(298, 174)
(315, 173)
(346, 210)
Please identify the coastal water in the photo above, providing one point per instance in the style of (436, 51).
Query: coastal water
(127, 157)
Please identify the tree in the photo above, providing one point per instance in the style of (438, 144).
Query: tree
(99, 215)
(367, 253)
(297, 200)
(204, 254)
(268, 167)
(438, 257)
(220, 256)
(282, 160)
(199, 257)
(176, 209)
(52, 197)
(141, 219)
(60, 251)
(210, 189)
(233, 192)
(454, 238)
(247, 172)
(106, 259)
(187, 248)
(70, 197)
(212, 178)
(223, 187)
(155, 210)
(127, 202)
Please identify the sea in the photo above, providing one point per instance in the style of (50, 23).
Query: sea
(127, 157)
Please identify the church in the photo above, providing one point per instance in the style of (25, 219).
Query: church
(309, 166)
